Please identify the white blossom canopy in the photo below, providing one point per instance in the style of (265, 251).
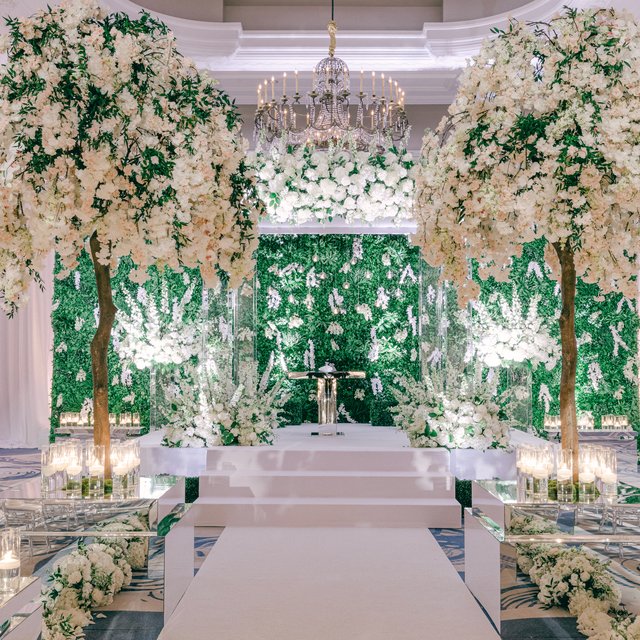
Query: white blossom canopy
(106, 128)
(542, 141)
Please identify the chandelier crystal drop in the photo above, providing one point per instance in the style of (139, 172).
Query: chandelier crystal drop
(330, 114)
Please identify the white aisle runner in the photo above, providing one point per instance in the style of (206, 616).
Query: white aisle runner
(327, 584)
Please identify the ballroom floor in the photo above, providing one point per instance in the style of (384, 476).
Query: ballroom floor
(137, 611)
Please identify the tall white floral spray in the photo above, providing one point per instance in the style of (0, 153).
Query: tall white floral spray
(541, 142)
(108, 136)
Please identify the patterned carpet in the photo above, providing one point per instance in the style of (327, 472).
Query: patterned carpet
(136, 613)
(17, 465)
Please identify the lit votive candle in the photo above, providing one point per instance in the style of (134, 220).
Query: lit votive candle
(9, 572)
(587, 477)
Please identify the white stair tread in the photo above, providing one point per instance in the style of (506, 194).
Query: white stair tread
(400, 502)
(322, 473)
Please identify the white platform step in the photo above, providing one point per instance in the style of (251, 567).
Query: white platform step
(328, 512)
(272, 459)
(327, 484)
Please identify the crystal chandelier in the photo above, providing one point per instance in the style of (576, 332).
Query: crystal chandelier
(330, 113)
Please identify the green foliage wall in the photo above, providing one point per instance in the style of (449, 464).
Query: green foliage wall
(74, 319)
(357, 272)
(601, 386)
(298, 277)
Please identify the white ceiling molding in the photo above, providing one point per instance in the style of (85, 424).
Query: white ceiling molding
(426, 63)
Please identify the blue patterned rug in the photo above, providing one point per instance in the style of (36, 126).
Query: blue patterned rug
(17, 465)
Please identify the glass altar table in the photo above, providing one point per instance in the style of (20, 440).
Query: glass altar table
(327, 394)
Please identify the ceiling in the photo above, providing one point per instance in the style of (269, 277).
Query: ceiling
(423, 44)
(313, 14)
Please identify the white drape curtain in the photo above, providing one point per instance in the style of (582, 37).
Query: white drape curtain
(26, 343)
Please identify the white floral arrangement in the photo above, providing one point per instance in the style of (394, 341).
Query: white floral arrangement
(306, 184)
(456, 413)
(89, 577)
(148, 334)
(210, 410)
(136, 146)
(574, 578)
(511, 336)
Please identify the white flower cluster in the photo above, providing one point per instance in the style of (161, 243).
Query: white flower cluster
(574, 578)
(106, 129)
(511, 336)
(541, 142)
(148, 334)
(89, 577)
(460, 414)
(212, 410)
(306, 184)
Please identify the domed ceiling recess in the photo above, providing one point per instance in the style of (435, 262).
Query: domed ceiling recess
(423, 44)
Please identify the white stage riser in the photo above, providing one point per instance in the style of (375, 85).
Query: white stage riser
(216, 512)
(337, 484)
(269, 459)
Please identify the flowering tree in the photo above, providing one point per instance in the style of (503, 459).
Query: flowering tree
(109, 137)
(541, 142)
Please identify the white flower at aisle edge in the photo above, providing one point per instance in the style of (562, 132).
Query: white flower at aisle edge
(147, 335)
(306, 184)
(449, 411)
(510, 336)
(574, 578)
(90, 576)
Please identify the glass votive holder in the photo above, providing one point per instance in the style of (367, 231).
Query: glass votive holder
(94, 463)
(48, 473)
(74, 479)
(120, 480)
(540, 486)
(9, 560)
(587, 486)
(564, 476)
(59, 463)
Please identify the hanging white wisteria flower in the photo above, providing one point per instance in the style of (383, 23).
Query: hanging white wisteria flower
(503, 334)
(450, 410)
(306, 184)
(148, 334)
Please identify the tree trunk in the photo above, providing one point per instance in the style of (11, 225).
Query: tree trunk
(568, 418)
(99, 352)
